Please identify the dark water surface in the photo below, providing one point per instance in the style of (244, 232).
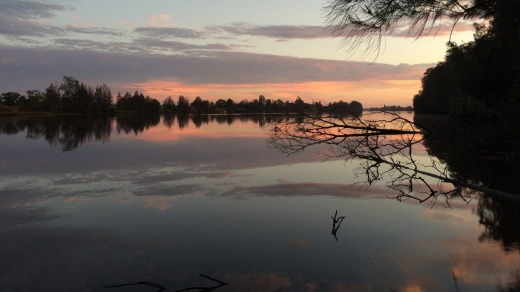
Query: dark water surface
(90, 202)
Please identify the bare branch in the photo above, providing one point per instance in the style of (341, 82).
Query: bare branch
(384, 148)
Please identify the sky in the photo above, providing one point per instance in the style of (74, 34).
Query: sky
(213, 49)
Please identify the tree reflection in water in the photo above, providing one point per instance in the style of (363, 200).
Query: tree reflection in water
(480, 152)
(136, 123)
(162, 288)
(69, 132)
(66, 132)
(384, 144)
(462, 166)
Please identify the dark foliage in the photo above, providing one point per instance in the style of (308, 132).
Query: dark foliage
(477, 79)
(138, 103)
(480, 78)
(71, 96)
(262, 105)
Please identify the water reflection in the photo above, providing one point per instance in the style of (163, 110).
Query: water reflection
(389, 140)
(162, 202)
(474, 151)
(382, 143)
(66, 132)
(70, 132)
(136, 124)
(162, 288)
(483, 154)
(386, 146)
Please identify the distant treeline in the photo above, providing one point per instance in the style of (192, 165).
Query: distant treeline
(259, 105)
(73, 96)
(392, 108)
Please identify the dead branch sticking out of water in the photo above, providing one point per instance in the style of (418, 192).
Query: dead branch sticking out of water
(336, 224)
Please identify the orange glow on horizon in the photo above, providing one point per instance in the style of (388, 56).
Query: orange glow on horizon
(371, 93)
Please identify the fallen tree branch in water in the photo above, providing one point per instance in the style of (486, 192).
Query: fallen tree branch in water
(151, 284)
(383, 144)
(162, 288)
(206, 288)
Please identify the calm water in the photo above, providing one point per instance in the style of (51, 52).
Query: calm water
(86, 203)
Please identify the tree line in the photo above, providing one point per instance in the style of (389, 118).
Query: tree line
(257, 105)
(392, 108)
(73, 96)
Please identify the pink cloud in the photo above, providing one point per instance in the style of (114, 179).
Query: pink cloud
(160, 20)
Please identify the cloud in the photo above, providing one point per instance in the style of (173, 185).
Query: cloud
(171, 191)
(281, 32)
(284, 33)
(29, 9)
(41, 66)
(169, 32)
(162, 19)
(10, 26)
(459, 255)
(442, 29)
(93, 30)
(13, 206)
(23, 18)
(81, 44)
(176, 46)
(204, 71)
(310, 189)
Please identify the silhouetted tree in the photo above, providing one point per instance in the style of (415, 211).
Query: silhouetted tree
(102, 99)
(35, 100)
(479, 78)
(339, 107)
(11, 98)
(169, 106)
(299, 105)
(230, 106)
(197, 105)
(53, 98)
(356, 108)
(183, 105)
(138, 103)
(220, 106)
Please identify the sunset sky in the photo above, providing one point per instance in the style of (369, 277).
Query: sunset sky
(213, 49)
